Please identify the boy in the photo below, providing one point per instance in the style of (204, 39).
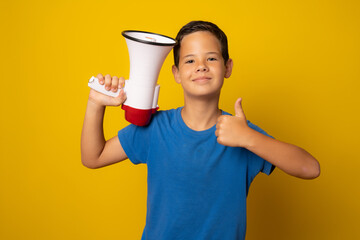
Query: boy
(200, 159)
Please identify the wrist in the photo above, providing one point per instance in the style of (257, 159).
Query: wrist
(95, 106)
(251, 136)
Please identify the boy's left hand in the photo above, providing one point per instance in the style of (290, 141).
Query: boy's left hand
(233, 131)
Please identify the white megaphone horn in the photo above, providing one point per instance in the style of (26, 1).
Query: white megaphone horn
(147, 52)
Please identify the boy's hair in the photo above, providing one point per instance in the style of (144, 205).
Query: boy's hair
(196, 26)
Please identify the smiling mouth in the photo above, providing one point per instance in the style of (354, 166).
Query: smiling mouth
(201, 79)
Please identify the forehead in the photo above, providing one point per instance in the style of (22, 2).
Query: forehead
(199, 42)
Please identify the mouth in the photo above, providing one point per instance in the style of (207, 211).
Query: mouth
(201, 79)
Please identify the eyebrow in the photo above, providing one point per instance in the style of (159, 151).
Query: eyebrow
(208, 53)
(189, 55)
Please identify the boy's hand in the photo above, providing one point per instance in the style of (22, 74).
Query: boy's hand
(111, 84)
(233, 131)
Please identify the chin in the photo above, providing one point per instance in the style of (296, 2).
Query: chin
(204, 95)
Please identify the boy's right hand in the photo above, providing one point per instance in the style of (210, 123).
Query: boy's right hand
(111, 84)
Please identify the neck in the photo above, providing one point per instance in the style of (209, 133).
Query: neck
(200, 114)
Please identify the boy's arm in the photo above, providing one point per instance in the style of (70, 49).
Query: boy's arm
(96, 152)
(234, 131)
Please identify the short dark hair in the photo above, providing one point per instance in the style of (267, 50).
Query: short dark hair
(196, 26)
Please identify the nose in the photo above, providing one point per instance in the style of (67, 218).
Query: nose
(202, 67)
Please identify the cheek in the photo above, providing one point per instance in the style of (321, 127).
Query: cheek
(223, 71)
(185, 72)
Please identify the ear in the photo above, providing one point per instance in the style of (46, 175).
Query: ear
(228, 68)
(175, 72)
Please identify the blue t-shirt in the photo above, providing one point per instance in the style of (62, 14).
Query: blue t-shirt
(197, 188)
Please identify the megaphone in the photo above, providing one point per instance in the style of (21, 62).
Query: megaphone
(147, 52)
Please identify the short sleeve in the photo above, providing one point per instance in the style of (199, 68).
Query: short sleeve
(135, 141)
(257, 164)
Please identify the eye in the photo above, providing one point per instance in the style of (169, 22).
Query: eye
(190, 61)
(212, 59)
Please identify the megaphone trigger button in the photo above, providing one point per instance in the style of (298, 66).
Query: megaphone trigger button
(92, 79)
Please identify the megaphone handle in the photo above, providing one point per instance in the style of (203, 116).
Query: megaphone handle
(94, 84)
(156, 97)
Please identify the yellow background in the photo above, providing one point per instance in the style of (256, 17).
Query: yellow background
(296, 67)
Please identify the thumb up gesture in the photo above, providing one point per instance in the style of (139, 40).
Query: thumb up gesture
(233, 131)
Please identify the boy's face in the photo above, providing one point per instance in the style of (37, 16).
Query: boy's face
(201, 70)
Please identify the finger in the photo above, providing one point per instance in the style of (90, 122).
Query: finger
(107, 82)
(219, 140)
(100, 77)
(121, 82)
(239, 112)
(220, 119)
(217, 132)
(120, 99)
(114, 83)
